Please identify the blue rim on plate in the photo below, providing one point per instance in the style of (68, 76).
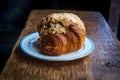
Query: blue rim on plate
(30, 45)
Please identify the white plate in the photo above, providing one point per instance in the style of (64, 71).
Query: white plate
(29, 45)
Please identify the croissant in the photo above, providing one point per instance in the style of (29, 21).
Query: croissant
(61, 33)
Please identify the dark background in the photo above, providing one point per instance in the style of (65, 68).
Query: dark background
(14, 13)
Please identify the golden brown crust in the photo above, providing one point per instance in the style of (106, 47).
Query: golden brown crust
(60, 42)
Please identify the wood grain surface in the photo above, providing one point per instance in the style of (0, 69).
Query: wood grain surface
(102, 64)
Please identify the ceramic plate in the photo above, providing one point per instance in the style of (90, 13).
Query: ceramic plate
(30, 45)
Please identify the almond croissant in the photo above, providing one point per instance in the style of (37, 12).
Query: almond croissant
(61, 33)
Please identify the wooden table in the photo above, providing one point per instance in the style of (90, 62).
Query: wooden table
(102, 64)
